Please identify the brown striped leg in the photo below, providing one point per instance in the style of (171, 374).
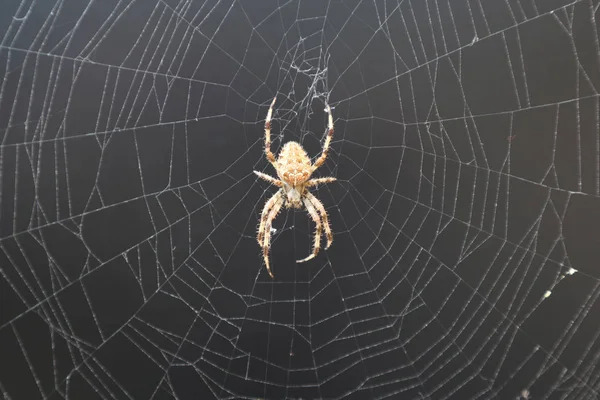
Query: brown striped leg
(323, 156)
(320, 181)
(267, 240)
(265, 214)
(321, 209)
(315, 217)
(268, 153)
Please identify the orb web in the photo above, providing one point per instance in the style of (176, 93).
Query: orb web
(465, 212)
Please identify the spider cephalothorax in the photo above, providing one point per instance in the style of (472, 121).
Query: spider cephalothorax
(294, 170)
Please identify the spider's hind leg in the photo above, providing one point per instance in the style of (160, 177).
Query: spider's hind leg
(269, 213)
(319, 229)
(321, 209)
(263, 218)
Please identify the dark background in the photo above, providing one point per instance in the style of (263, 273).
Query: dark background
(467, 153)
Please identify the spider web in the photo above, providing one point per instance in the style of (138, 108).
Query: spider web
(466, 210)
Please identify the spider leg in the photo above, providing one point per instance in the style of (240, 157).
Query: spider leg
(319, 206)
(323, 156)
(267, 232)
(263, 217)
(320, 181)
(269, 179)
(315, 217)
(268, 152)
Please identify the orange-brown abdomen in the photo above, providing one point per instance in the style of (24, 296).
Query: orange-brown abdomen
(294, 165)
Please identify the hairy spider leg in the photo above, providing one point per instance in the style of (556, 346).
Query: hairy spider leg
(269, 179)
(319, 229)
(263, 217)
(323, 156)
(268, 152)
(320, 181)
(321, 209)
(267, 234)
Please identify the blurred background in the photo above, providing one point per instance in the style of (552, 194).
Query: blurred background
(466, 212)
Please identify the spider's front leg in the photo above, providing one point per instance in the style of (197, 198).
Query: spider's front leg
(323, 156)
(268, 152)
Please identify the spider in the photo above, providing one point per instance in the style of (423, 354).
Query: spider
(294, 170)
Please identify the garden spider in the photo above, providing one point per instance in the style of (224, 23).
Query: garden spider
(294, 170)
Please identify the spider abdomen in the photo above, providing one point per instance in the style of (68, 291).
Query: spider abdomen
(294, 164)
